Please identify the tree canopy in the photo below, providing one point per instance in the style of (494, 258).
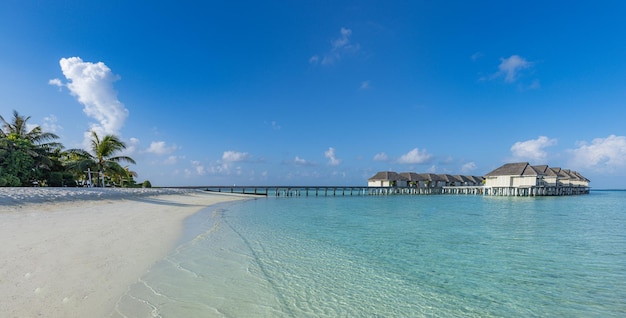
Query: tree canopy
(30, 156)
(102, 156)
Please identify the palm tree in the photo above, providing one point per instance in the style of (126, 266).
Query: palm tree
(128, 176)
(18, 141)
(41, 147)
(102, 157)
(19, 127)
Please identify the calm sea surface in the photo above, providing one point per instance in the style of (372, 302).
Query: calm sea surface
(394, 256)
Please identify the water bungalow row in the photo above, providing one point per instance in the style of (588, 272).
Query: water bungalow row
(511, 179)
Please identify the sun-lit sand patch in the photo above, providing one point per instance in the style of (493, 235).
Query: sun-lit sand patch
(72, 252)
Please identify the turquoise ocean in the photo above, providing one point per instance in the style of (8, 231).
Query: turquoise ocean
(394, 256)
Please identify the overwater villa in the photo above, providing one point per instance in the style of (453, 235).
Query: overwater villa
(511, 179)
(523, 179)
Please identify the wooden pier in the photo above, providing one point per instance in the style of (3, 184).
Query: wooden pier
(315, 191)
(292, 191)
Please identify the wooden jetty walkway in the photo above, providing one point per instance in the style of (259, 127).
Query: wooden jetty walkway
(305, 191)
(294, 191)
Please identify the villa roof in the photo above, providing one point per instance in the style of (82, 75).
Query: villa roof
(580, 176)
(431, 177)
(552, 172)
(518, 169)
(562, 174)
(542, 169)
(474, 179)
(387, 176)
(412, 176)
(531, 171)
(572, 174)
(460, 178)
(450, 178)
(466, 178)
(446, 177)
(509, 169)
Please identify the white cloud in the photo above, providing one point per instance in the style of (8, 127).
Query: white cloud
(50, 124)
(198, 167)
(468, 167)
(343, 40)
(131, 146)
(301, 162)
(92, 85)
(200, 170)
(339, 47)
(415, 156)
(365, 85)
(220, 168)
(381, 157)
(160, 148)
(172, 160)
(234, 156)
(476, 56)
(532, 149)
(511, 67)
(225, 166)
(602, 154)
(314, 59)
(332, 159)
(56, 82)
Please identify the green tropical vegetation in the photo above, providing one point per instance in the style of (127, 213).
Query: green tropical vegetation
(30, 156)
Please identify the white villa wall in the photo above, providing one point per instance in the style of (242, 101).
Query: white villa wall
(524, 181)
(376, 183)
(385, 183)
(549, 181)
(511, 181)
(498, 181)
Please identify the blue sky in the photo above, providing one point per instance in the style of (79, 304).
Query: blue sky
(325, 92)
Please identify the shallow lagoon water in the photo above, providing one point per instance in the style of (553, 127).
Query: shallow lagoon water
(394, 256)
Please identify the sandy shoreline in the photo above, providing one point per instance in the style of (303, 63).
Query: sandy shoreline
(73, 252)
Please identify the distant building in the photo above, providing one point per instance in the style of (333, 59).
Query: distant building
(514, 175)
(387, 179)
(511, 179)
(523, 179)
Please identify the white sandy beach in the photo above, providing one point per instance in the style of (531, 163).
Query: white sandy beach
(73, 252)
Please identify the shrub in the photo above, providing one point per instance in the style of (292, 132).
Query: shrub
(8, 180)
(68, 179)
(56, 179)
